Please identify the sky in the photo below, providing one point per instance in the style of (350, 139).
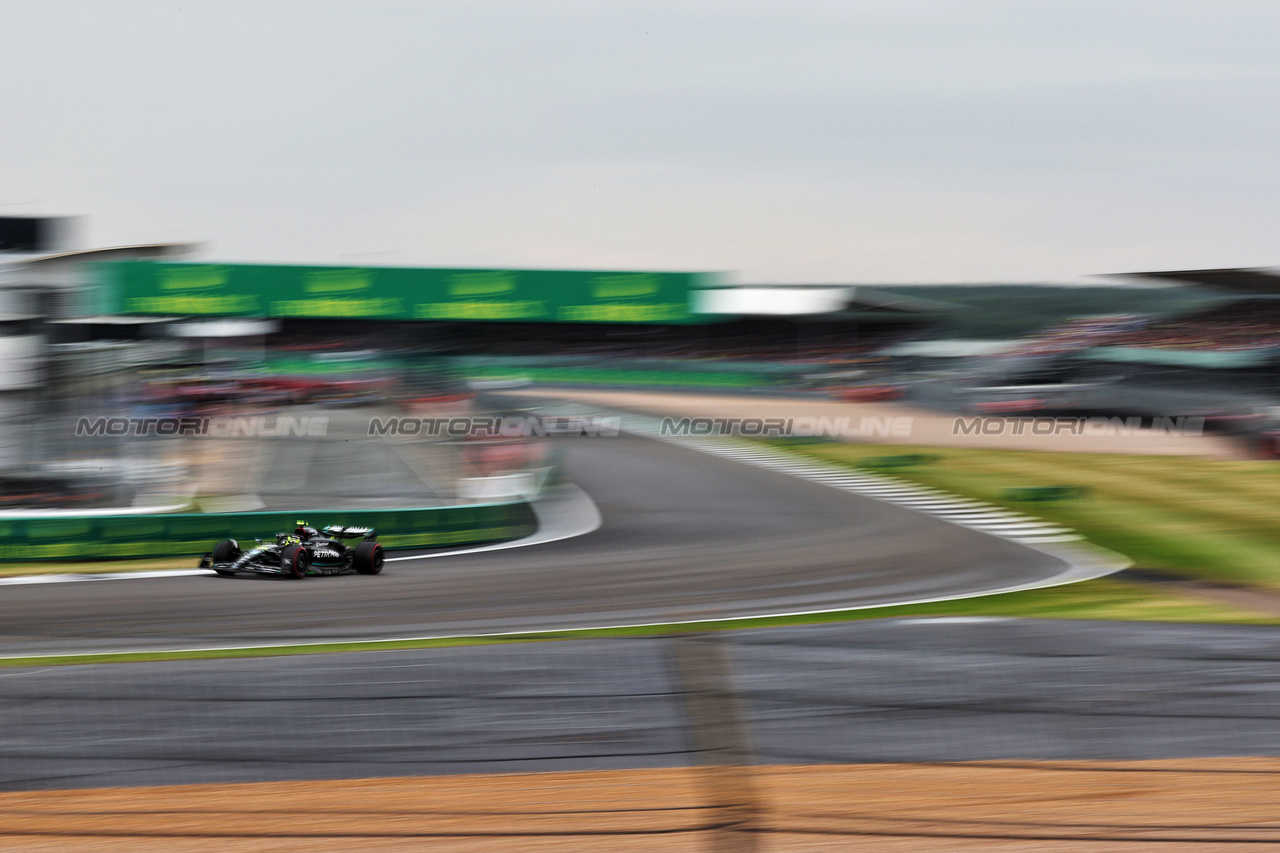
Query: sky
(875, 142)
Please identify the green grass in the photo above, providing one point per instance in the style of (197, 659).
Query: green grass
(1105, 598)
(1195, 518)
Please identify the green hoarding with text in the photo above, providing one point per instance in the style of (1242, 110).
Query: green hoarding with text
(395, 293)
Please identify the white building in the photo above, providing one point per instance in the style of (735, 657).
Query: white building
(43, 286)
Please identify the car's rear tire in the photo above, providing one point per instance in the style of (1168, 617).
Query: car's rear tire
(368, 558)
(295, 561)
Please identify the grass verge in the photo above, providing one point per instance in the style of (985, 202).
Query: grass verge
(97, 567)
(1198, 519)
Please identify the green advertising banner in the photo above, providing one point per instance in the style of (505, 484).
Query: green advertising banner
(395, 293)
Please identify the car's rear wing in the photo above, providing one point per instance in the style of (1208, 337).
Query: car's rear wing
(339, 531)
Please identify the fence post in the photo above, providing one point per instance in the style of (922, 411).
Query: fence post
(718, 731)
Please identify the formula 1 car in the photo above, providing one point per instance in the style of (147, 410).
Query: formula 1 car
(303, 552)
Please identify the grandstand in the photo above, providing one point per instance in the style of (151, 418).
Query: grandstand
(1248, 320)
(1220, 362)
(1245, 324)
(214, 338)
(659, 329)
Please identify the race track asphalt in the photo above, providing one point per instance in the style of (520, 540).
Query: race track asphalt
(684, 536)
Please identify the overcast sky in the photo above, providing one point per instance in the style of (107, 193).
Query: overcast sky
(788, 141)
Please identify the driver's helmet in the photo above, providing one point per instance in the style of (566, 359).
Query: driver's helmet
(304, 532)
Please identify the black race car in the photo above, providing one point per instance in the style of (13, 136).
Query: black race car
(303, 552)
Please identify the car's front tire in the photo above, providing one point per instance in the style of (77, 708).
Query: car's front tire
(226, 551)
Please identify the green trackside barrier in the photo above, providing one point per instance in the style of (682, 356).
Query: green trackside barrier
(610, 376)
(1045, 493)
(783, 370)
(90, 537)
(641, 372)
